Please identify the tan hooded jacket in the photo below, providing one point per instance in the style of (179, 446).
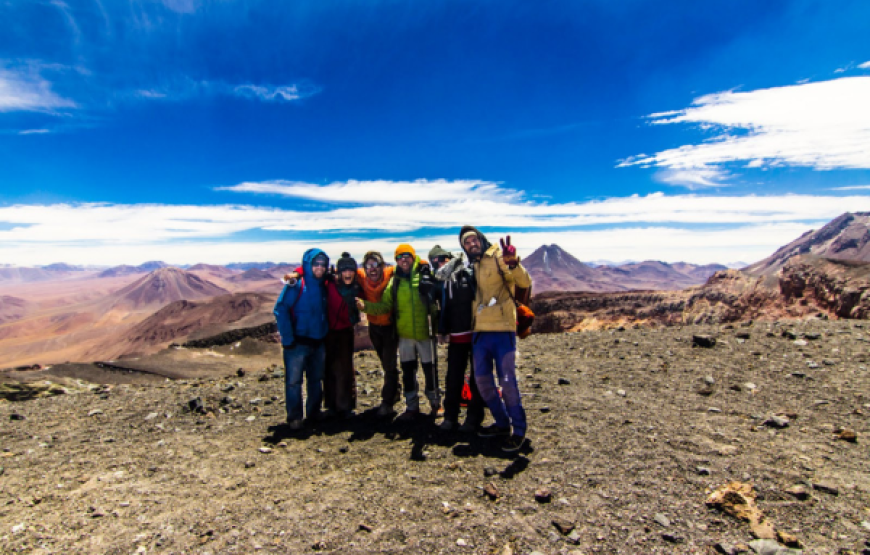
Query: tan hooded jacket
(494, 310)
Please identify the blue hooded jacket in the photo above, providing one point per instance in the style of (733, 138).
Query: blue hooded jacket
(301, 308)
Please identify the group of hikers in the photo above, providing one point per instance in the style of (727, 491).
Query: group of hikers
(469, 298)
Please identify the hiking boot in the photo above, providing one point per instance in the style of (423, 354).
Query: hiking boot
(434, 398)
(328, 414)
(469, 427)
(447, 425)
(493, 430)
(513, 443)
(386, 410)
(295, 424)
(408, 415)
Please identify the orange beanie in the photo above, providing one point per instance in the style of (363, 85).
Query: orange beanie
(405, 247)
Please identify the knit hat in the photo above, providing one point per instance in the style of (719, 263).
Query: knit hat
(471, 230)
(374, 255)
(403, 248)
(464, 234)
(346, 262)
(438, 251)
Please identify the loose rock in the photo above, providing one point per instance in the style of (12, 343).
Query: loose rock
(491, 491)
(543, 495)
(826, 488)
(771, 547)
(848, 435)
(704, 341)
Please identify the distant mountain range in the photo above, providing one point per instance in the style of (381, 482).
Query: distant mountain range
(59, 312)
(554, 269)
(824, 273)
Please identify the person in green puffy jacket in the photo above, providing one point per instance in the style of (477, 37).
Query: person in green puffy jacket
(413, 315)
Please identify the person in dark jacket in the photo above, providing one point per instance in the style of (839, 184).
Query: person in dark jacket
(302, 323)
(339, 381)
(455, 292)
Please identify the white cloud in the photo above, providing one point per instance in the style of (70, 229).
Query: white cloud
(823, 125)
(851, 188)
(865, 65)
(680, 227)
(692, 179)
(181, 89)
(268, 93)
(24, 90)
(381, 192)
(34, 132)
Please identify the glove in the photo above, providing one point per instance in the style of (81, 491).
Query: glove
(509, 252)
(426, 281)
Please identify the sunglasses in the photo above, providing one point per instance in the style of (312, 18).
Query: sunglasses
(372, 266)
(439, 260)
(404, 255)
(318, 264)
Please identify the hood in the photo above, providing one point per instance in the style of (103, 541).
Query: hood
(485, 244)
(444, 272)
(307, 258)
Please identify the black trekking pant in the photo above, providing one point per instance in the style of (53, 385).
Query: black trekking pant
(458, 358)
(386, 343)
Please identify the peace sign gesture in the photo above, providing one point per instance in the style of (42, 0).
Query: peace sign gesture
(509, 252)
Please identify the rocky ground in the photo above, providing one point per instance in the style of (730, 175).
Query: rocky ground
(631, 431)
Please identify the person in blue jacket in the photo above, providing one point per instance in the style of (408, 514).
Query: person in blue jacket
(302, 322)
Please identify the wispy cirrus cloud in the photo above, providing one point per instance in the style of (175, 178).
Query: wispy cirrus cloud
(382, 191)
(184, 88)
(693, 178)
(24, 89)
(821, 125)
(269, 93)
(865, 65)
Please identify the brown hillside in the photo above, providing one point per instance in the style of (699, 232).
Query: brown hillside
(13, 308)
(183, 320)
(846, 237)
(808, 286)
(164, 286)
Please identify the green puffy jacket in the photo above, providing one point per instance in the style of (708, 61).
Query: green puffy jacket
(409, 309)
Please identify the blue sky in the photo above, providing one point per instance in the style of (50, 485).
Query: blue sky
(193, 131)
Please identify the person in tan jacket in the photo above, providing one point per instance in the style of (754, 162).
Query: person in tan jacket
(498, 273)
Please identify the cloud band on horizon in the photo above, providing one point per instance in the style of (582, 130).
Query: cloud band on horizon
(55, 232)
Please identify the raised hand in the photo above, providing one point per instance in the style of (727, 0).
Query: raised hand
(360, 304)
(509, 252)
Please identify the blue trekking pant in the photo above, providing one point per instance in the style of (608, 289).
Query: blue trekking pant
(310, 361)
(499, 347)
